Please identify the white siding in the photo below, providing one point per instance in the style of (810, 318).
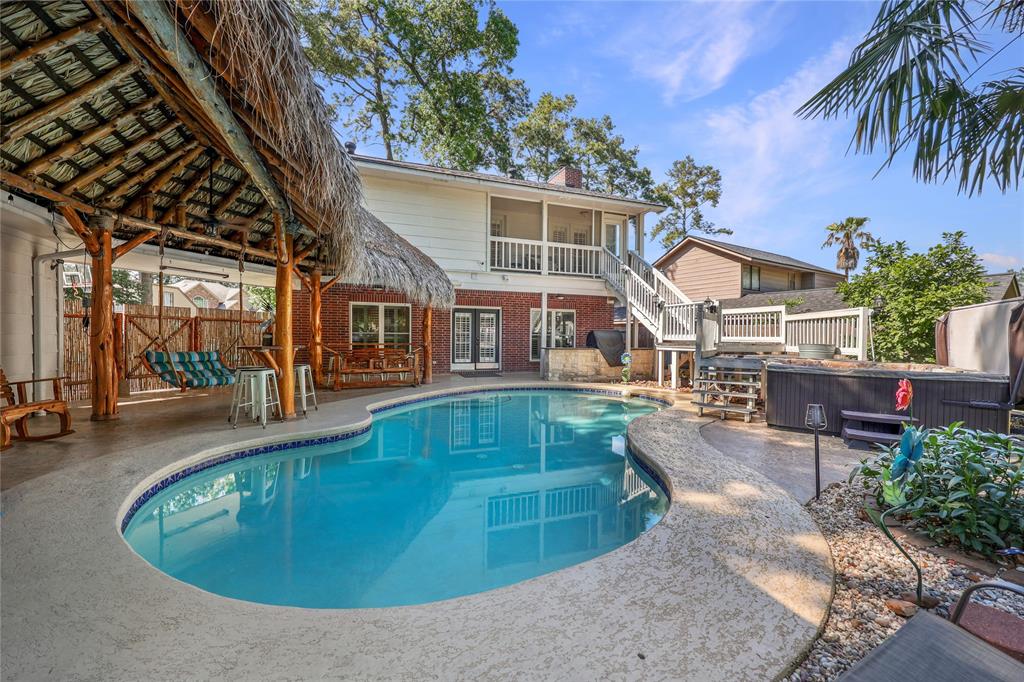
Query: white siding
(448, 224)
(25, 233)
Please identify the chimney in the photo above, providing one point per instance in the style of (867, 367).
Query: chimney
(567, 176)
(350, 147)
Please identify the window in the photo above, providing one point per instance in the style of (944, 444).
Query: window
(792, 280)
(561, 331)
(498, 228)
(168, 298)
(199, 302)
(374, 323)
(558, 234)
(751, 278)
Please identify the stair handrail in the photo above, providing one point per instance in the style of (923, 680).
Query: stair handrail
(664, 284)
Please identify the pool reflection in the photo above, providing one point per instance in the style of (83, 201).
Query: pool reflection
(440, 500)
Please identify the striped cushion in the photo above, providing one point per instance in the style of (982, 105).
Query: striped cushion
(200, 369)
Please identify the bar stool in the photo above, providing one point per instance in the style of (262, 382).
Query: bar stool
(304, 386)
(241, 392)
(259, 391)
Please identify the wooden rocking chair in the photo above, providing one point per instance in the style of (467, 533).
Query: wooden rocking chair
(17, 410)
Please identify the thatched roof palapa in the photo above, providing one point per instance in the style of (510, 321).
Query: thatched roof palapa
(394, 263)
(206, 104)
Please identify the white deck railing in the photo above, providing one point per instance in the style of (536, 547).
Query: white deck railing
(574, 259)
(679, 322)
(846, 329)
(754, 325)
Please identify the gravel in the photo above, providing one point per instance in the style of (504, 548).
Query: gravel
(869, 570)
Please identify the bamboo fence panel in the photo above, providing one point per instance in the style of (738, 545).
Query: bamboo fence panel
(183, 330)
(76, 353)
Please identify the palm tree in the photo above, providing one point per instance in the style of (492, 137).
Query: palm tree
(910, 87)
(848, 234)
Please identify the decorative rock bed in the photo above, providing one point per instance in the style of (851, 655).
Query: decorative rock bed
(870, 571)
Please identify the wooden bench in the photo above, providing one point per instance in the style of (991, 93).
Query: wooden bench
(376, 365)
(17, 410)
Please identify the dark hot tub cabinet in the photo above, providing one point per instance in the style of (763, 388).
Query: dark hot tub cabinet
(941, 395)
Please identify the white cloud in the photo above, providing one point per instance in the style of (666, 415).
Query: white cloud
(1001, 261)
(691, 50)
(766, 154)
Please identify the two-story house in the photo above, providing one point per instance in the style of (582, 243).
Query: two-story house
(527, 260)
(707, 268)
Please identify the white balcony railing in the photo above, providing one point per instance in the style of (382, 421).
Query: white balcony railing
(574, 259)
(519, 255)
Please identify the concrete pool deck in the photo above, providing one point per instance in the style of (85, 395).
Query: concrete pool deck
(733, 584)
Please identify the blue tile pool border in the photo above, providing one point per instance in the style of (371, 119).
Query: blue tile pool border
(198, 467)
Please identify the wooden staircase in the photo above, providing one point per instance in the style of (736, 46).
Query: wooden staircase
(727, 389)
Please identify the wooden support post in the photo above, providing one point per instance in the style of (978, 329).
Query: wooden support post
(428, 343)
(659, 356)
(316, 329)
(283, 316)
(101, 327)
(675, 370)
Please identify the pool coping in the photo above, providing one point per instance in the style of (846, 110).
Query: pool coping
(103, 617)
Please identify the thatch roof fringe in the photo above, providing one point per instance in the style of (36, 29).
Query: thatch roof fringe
(263, 54)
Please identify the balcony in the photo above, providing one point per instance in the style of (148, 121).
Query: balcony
(509, 254)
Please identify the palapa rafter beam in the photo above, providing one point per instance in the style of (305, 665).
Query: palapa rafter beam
(85, 179)
(165, 176)
(198, 181)
(66, 103)
(44, 47)
(78, 225)
(179, 52)
(144, 174)
(77, 144)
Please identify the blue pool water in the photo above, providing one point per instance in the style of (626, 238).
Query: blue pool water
(439, 499)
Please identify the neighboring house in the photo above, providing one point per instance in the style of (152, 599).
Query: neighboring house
(707, 268)
(526, 259)
(198, 294)
(1002, 285)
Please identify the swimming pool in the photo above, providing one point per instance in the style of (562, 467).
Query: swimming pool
(438, 499)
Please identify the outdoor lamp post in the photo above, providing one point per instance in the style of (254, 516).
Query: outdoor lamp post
(815, 419)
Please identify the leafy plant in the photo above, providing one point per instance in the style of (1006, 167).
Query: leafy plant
(967, 488)
(909, 89)
(909, 291)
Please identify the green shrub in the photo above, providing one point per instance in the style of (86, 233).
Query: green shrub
(967, 488)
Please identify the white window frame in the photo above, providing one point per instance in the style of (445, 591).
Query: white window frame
(380, 318)
(551, 329)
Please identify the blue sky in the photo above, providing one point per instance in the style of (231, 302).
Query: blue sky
(720, 81)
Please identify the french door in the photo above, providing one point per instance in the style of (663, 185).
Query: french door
(476, 334)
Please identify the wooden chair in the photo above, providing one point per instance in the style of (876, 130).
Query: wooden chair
(17, 410)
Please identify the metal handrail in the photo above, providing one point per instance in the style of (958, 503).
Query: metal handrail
(965, 596)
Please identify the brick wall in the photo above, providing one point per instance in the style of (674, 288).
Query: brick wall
(592, 312)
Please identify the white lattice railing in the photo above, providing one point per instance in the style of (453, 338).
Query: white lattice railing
(574, 259)
(519, 255)
(846, 329)
(766, 324)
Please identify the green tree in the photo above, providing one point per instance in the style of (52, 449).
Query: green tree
(542, 137)
(261, 298)
(689, 187)
(608, 165)
(435, 74)
(910, 291)
(848, 235)
(908, 86)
